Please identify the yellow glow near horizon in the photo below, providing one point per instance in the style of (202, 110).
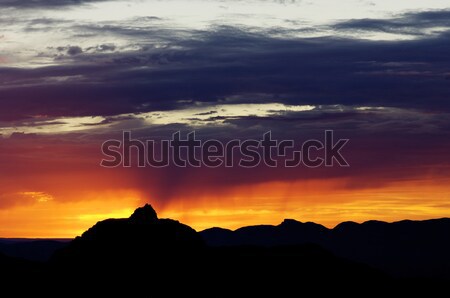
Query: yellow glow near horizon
(322, 202)
(61, 219)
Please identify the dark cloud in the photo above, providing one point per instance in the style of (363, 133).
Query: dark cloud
(74, 50)
(325, 72)
(206, 113)
(410, 23)
(231, 65)
(47, 21)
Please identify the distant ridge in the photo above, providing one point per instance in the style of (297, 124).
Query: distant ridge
(403, 248)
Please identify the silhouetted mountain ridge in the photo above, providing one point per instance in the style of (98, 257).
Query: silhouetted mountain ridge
(164, 257)
(130, 239)
(403, 248)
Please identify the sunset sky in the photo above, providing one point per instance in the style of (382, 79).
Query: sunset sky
(75, 73)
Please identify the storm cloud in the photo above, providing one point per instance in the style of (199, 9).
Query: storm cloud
(231, 64)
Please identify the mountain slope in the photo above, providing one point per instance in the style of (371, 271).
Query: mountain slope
(404, 248)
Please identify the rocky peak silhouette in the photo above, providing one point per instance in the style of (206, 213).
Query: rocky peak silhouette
(126, 240)
(143, 215)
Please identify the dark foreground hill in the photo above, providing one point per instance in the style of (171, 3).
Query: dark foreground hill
(404, 248)
(163, 258)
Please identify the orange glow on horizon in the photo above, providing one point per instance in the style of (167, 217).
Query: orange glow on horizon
(323, 202)
(327, 202)
(54, 219)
